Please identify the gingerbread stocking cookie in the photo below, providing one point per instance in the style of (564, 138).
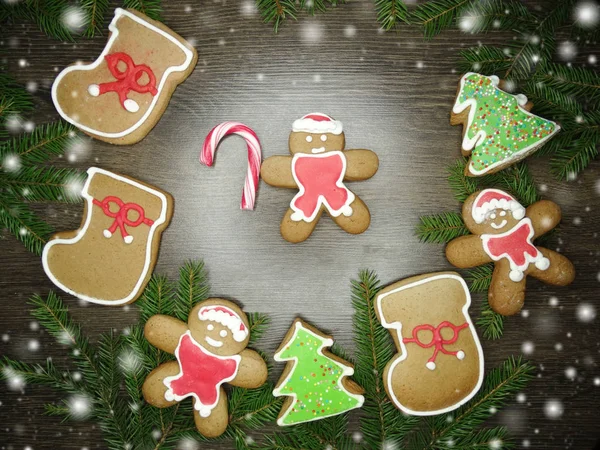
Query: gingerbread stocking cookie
(121, 96)
(110, 258)
(210, 350)
(440, 364)
(503, 233)
(318, 168)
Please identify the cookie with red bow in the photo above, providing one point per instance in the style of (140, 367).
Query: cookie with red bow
(121, 96)
(210, 350)
(503, 232)
(110, 258)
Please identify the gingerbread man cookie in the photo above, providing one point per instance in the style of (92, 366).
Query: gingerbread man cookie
(210, 351)
(503, 232)
(318, 168)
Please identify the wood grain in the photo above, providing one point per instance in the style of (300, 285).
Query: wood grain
(393, 92)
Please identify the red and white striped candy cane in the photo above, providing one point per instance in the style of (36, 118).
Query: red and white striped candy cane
(254, 155)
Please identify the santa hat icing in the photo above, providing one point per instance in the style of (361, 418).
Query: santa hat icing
(491, 199)
(227, 318)
(317, 123)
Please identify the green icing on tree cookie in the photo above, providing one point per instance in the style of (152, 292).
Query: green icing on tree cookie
(314, 381)
(498, 129)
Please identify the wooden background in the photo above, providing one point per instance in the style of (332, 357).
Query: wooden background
(393, 92)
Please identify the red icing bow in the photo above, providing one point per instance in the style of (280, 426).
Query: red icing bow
(121, 216)
(437, 341)
(127, 80)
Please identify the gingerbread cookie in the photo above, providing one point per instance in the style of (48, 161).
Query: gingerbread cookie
(318, 168)
(440, 362)
(503, 232)
(314, 380)
(110, 258)
(210, 350)
(121, 96)
(498, 129)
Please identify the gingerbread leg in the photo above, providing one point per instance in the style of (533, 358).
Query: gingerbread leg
(295, 232)
(154, 389)
(358, 222)
(215, 424)
(561, 271)
(505, 296)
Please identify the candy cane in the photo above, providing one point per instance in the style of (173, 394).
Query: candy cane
(254, 156)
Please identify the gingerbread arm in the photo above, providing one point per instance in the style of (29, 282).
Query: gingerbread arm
(545, 216)
(252, 371)
(277, 171)
(360, 164)
(164, 332)
(467, 251)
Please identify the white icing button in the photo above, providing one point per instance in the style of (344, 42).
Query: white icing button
(502, 213)
(296, 217)
(430, 365)
(210, 327)
(169, 395)
(128, 239)
(323, 137)
(542, 263)
(94, 90)
(223, 333)
(308, 138)
(515, 275)
(460, 354)
(347, 211)
(107, 233)
(131, 105)
(204, 412)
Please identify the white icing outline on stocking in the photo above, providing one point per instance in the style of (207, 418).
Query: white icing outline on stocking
(469, 144)
(403, 353)
(90, 209)
(114, 33)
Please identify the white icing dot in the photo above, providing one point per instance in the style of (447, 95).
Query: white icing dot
(204, 412)
(430, 365)
(94, 90)
(516, 275)
(223, 333)
(107, 233)
(210, 327)
(460, 354)
(308, 138)
(131, 105)
(323, 137)
(128, 239)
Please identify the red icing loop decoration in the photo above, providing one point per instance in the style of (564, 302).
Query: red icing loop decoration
(120, 216)
(437, 341)
(127, 80)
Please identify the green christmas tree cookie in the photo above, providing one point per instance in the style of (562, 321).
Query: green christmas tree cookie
(498, 130)
(315, 381)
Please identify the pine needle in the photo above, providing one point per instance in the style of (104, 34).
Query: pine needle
(462, 185)
(480, 278)
(95, 11)
(150, 8)
(490, 322)
(390, 13)
(438, 15)
(192, 289)
(441, 228)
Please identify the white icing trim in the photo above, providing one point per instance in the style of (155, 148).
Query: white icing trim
(346, 372)
(232, 321)
(479, 212)
(198, 405)
(114, 33)
(308, 125)
(470, 144)
(403, 353)
(346, 209)
(90, 208)
(516, 273)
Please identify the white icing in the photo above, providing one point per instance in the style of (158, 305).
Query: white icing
(107, 234)
(521, 99)
(223, 333)
(114, 33)
(213, 342)
(308, 138)
(128, 239)
(479, 213)
(92, 171)
(542, 263)
(404, 354)
(318, 150)
(323, 137)
(460, 355)
(94, 90)
(131, 105)
(230, 320)
(430, 365)
(210, 327)
(346, 372)
(515, 275)
(499, 226)
(309, 125)
(470, 144)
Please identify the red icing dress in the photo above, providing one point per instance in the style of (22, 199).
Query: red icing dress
(515, 245)
(320, 179)
(200, 375)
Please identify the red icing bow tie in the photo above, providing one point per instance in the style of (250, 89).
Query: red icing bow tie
(120, 216)
(437, 341)
(127, 80)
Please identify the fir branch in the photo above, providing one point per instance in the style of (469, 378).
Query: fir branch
(480, 277)
(518, 180)
(46, 14)
(158, 298)
(312, 6)
(253, 408)
(441, 228)
(571, 81)
(550, 103)
(39, 146)
(47, 375)
(462, 185)
(491, 322)
(495, 14)
(575, 157)
(44, 184)
(258, 324)
(95, 11)
(23, 223)
(192, 289)
(276, 11)
(14, 98)
(150, 8)
(485, 439)
(484, 59)
(438, 15)
(390, 13)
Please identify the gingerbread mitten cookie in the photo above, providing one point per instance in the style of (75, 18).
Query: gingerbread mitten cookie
(210, 351)
(110, 258)
(121, 96)
(498, 129)
(318, 168)
(440, 364)
(503, 232)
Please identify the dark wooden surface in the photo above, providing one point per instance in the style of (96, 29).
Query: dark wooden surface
(393, 92)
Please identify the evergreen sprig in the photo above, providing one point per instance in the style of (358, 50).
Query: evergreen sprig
(95, 11)
(151, 8)
(46, 14)
(438, 15)
(490, 322)
(390, 13)
(441, 228)
(277, 11)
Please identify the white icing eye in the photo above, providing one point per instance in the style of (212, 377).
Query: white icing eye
(323, 137)
(502, 213)
(493, 216)
(308, 138)
(210, 327)
(223, 333)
